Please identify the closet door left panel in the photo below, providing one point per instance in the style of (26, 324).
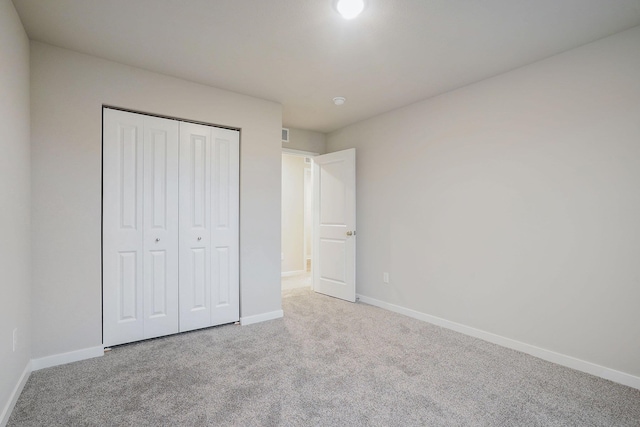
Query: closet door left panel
(140, 227)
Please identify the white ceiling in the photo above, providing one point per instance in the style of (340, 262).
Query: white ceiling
(301, 53)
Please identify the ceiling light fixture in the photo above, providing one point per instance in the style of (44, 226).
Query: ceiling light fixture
(339, 100)
(349, 9)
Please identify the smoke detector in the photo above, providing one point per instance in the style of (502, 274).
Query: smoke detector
(339, 100)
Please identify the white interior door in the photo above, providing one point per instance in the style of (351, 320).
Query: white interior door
(140, 257)
(334, 221)
(209, 226)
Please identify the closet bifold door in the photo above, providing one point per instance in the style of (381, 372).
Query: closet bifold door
(140, 227)
(209, 212)
(161, 227)
(225, 270)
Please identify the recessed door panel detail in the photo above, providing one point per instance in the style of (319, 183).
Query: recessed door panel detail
(332, 265)
(222, 182)
(128, 177)
(170, 226)
(199, 279)
(221, 281)
(128, 287)
(199, 180)
(158, 283)
(159, 155)
(333, 194)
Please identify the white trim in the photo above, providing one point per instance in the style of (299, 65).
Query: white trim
(548, 355)
(15, 394)
(292, 273)
(249, 320)
(300, 153)
(307, 184)
(63, 358)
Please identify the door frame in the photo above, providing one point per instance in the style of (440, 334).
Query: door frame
(102, 146)
(305, 154)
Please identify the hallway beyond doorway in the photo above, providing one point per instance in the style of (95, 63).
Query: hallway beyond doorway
(302, 280)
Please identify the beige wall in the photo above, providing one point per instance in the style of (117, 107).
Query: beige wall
(306, 140)
(292, 213)
(68, 91)
(15, 281)
(308, 211)
(512, 205)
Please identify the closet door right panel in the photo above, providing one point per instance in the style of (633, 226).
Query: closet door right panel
(209, 226)
(195, 226)
(225, 173)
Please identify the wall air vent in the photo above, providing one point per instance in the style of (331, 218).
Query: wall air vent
(285, 135)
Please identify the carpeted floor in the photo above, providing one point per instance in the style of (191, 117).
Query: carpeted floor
(298, 281)
(328, 363)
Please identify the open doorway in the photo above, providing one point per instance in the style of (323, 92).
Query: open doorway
(297, 202)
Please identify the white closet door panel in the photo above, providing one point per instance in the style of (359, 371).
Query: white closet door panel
(224, 231)
(195, 226)
(122, 227)
(160, 227)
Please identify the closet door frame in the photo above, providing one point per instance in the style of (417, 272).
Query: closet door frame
(222, 299)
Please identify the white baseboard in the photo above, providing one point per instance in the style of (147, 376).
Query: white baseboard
(548, 355)
(292, 273)
(15, 394)
(248, 320)
(72, 356)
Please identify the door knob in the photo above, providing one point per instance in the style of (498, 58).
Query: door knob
(349, 233)
(199, 238)
(157, 239)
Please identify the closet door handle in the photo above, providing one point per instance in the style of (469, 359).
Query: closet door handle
(157, 239)
(199, 238)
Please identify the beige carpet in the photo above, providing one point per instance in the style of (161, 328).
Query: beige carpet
(327, 363)
(298, 281)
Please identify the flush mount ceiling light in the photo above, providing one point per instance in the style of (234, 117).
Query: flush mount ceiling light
(349, 9)
(339, 100)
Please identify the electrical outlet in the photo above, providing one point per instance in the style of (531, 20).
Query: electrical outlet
(15, 339)
(385, 277)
